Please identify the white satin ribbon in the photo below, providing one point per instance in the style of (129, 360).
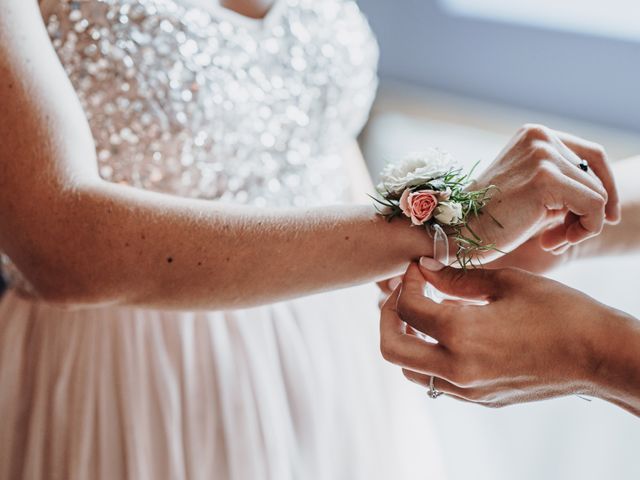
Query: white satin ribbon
(440, 254)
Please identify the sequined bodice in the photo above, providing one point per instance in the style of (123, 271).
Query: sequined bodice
(199, 101)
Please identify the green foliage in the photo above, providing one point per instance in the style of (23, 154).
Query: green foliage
(469, 245)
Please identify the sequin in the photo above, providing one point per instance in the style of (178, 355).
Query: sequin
(188, 102)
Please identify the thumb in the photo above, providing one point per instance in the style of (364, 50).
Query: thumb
(476, 284)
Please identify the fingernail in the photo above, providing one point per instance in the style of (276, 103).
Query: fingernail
(431, 264)
(394, 282)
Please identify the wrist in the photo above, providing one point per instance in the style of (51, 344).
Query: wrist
(406, 241)
(614, 368)
(416, 241)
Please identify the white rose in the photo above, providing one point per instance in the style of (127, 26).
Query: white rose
(448, 213)
(415, 169)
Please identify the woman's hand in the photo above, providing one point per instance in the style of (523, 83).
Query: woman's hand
(540, 185)
(622, 238)
(534, 339)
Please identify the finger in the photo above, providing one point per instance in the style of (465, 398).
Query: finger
(381, 299)
(419, 311)
(470, 284)
(384, 287)
(570, 219)
(599, 163)
(389, 285)
(554, 216)
(439, 383)
(407, 350)
(557, 237)
(570, 167)
(583, 202)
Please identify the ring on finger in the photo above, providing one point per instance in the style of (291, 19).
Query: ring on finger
(583, 165)
(433, 391)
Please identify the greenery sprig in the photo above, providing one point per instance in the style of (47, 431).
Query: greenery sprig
(429, 194)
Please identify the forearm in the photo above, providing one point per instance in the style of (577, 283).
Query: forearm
(616, 373)
(115, 244)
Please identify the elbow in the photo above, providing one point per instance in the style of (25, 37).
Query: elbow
(59, 253)
(69, 294)
(69, 290)
(67, 285)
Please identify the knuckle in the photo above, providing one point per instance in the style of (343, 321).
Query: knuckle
(598, 202)
(543, 151)
(388, 351)
(535, 131)
(598, 152)
(603, 193)
(545, 173)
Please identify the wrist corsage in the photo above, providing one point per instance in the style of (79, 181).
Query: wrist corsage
(430, 190)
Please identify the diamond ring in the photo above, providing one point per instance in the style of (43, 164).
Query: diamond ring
(433, 392)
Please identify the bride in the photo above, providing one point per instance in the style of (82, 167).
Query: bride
(181, 199)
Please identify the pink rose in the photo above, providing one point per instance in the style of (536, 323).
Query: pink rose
(419, 206)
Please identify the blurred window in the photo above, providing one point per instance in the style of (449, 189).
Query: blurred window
(575, 58)
(612, 18)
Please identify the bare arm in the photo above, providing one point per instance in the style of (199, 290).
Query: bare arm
(617, 372)
(80, 239)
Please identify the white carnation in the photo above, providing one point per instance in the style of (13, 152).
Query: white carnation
(448, 213)
(415, 169)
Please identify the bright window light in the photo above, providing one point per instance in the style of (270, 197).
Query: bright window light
(617, 18)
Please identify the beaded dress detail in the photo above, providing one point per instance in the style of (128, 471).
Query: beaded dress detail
(187, 98)
(198, 106)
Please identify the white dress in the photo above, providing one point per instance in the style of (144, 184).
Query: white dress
(198, 101)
